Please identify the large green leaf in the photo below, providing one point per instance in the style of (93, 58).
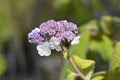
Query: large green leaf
(103, 46)
(86, 66)
(81, 48)
(3, 65)
(100, 76)
(114, 73)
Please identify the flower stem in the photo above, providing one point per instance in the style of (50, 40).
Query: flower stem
(73, 65)
(75, 68)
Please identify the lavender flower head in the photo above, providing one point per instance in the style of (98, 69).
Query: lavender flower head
(52, 33)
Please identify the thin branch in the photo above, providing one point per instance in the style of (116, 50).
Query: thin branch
(73, 65)
(75, 68)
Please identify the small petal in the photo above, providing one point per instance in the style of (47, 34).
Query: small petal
(75, 40)
(54, 40)
(37, 29)
(47, 52)
(52, 46)
(40, 50)
(55, 44)
(58, 48)
(43, 49)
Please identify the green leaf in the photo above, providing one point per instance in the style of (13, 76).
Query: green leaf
(100, 76)
(103, 46)
(106, 23)
(3, 65)
(71, 76)
(79, 62)
(86, 66)
(114, 72)
(115, 60)
(81, 48)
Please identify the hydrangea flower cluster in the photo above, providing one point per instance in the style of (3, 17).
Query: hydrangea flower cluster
(50, 34)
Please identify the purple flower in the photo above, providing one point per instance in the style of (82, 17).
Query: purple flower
(62, 30)
(50, 34)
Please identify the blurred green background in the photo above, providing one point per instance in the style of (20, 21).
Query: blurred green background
(99, 27)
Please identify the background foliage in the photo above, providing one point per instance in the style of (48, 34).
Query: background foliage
(99, 28)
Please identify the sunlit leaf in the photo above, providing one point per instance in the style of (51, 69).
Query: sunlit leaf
(100, 76)
(114, 73)
(86, 66)
(71, 76)
(115, 60)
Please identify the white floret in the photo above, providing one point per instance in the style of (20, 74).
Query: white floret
(75, 40)
(43, 49)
